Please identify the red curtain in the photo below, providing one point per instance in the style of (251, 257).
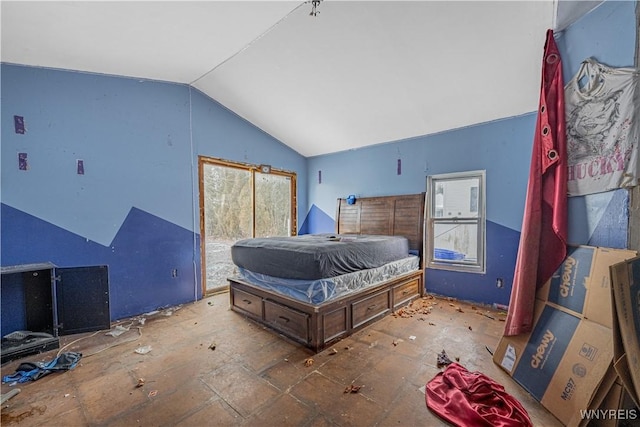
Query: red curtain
(543, 236)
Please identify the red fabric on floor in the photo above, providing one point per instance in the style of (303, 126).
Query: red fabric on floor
(543, 236)
(472, 399)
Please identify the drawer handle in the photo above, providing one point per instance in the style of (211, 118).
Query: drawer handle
(246, 301)
(286, 320)
(372, 307)
(405, 292)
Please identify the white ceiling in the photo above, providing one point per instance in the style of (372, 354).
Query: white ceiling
(359, 73)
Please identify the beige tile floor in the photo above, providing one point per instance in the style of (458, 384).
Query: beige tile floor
(210, 366)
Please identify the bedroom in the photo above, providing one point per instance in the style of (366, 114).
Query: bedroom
(130, 209)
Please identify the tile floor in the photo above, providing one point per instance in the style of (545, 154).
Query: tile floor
(209, 366)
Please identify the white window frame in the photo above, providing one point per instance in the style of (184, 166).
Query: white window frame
(474, 266)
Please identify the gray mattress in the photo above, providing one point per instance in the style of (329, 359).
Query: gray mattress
(317, 256)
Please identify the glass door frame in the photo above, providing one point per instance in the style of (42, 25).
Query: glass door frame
(253, 169)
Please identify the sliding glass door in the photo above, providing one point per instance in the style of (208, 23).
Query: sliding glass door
(239, 201)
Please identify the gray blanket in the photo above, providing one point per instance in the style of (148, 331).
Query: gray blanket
(316, 256)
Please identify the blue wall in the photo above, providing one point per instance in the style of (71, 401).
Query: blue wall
(135, 208)
(503, 149)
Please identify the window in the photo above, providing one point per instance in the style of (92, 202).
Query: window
(456, 222)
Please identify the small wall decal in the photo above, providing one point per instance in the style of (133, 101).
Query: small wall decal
(18, 122)
(22, 161)
(80, 166)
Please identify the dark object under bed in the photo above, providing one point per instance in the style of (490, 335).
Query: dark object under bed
(317, 256)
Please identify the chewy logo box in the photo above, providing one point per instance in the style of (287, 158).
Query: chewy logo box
(562, 362)
(582, 283)
(565, 358)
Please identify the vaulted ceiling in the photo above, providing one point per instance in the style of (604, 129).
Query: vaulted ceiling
(357, 73)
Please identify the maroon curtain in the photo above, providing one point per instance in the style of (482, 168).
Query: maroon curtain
(543, 237)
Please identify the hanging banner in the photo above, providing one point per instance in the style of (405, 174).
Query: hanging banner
(603, 128)
(543, 236)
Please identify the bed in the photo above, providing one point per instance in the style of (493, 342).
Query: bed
(318, 289)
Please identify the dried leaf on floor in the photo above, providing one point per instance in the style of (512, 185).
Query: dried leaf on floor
(353, 388)
(140, 382)
(308, 362)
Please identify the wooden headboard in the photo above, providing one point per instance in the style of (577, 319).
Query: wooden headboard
(386, 215)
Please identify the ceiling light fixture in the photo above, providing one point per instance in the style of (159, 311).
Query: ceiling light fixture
(314, 7)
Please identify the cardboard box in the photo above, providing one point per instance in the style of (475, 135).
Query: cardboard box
(625, 287)
(616, 408)
(566, 358)
(582, 284)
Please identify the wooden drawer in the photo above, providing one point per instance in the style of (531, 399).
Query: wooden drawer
(247, 302)
(403, 293)
(334, 324)
(368, 308)
(291, 322)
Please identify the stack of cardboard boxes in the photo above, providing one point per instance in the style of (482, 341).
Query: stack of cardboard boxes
(582, 357)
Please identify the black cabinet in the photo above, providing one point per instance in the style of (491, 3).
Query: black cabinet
(50, 301)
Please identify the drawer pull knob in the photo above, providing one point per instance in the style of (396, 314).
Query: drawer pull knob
(286, 320)
(405, 292)
(372, 307)
(246, 301)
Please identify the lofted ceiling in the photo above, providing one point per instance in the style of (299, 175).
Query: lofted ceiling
(356, 74)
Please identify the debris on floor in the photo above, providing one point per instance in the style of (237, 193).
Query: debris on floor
(308, 362)
(333, 351)
(8, 395)
(118, 330)
(32, 371)
(423, 305)
(487, 315)
(143, 350)
(457, 307)
(212, 346)
(443, 360)
(353, 388)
